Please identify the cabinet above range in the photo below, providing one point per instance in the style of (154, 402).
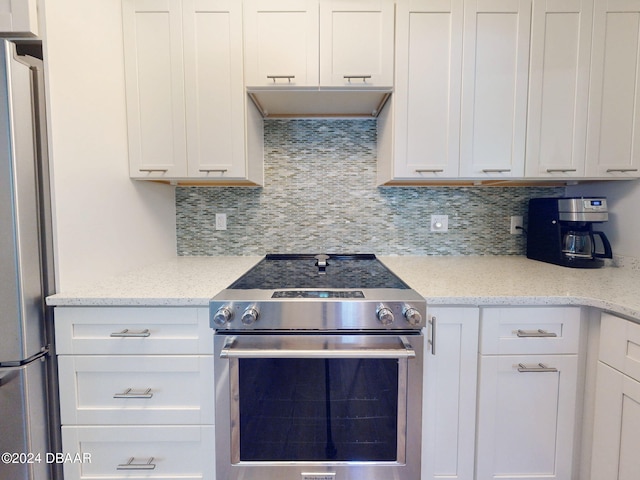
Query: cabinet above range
(319, 57)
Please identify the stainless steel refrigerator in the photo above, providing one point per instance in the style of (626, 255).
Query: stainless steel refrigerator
(29, 415)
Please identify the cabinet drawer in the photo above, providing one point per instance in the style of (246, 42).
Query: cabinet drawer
(509, 331)
(131, 330)
(185, 452)
(620, 345)
(136, 389)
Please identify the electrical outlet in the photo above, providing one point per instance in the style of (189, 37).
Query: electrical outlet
(516, 221)
(221, 221)
(439, 223)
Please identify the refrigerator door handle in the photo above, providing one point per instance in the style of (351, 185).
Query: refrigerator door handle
(13, 364)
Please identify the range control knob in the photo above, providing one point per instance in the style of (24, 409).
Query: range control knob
(385, 315)
(412, 316)
(223, 316)
(250, 316)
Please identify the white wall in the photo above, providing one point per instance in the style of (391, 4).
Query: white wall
(623, 227)
(105, 223)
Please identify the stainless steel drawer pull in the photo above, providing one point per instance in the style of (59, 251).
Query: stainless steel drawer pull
(363, 77)
(535, 334)
(151, 170)
(496, 170)
(128, 393)
(539, 368)
(137, 466)
(429, 170)
(432, 340)
(280, 77)
(209, 170)
(126, 333)
(561, 170)
(611, 170)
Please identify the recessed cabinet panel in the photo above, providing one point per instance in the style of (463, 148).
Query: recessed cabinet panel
(281, 42)
(356, 42)
(427, 91)
(449, 408)
(494, 95)
(119, 452)
(214, 94)
(535, 330)
(526, 417)
(19, 17)
(614, 109)
(558, 88)
(155, 88)
(616, 431)
(134, 331)
(136, 389)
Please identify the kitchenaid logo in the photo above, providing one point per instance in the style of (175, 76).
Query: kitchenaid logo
(318, 476)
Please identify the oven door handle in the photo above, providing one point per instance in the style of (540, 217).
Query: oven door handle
(231, 349)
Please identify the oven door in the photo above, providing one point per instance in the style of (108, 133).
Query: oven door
(318, 406)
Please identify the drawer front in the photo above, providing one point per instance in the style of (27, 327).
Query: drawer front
(117, 452)
(108, 390)
(541, 330)
(620, 345)
(131, 330)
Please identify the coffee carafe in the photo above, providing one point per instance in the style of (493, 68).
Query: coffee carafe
(579, 244)
(561, 231)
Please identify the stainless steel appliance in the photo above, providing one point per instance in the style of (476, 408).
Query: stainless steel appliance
(27, 374)
(318, 371)
(561, 231)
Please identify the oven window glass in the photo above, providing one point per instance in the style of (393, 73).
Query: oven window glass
(318, 409)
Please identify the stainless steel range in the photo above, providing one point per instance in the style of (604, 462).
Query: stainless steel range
(318, 371)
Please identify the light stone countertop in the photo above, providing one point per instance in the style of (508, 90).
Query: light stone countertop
(442, 280)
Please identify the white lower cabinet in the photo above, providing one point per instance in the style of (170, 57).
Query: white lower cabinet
(136, 392)
(449, 402)
(616, 434)
(527, 399)
(118, 452)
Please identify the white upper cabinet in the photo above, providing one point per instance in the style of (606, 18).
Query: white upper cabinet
(614, 121)
(155, 88)
(356, 42)
(281, 42)
(19, 17)
(427, 89)
(558, 88)
(213, 91)
(319, 43)
(494, 89)
(186, 109)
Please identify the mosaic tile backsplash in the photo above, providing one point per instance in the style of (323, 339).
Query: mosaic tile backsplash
(320, 195)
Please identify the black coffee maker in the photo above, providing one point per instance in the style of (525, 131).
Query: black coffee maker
(560, 231)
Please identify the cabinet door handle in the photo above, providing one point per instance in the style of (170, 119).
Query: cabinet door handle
(280, 77)
(561, 170)
(128, 393)
(429, 170)
(610, 170)
(151, 170)
(209, 170)
(126, 333)
(363, 77)
(539, 368)
(137, 466)
(496, 170)
(535, 334)
(432, 340)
